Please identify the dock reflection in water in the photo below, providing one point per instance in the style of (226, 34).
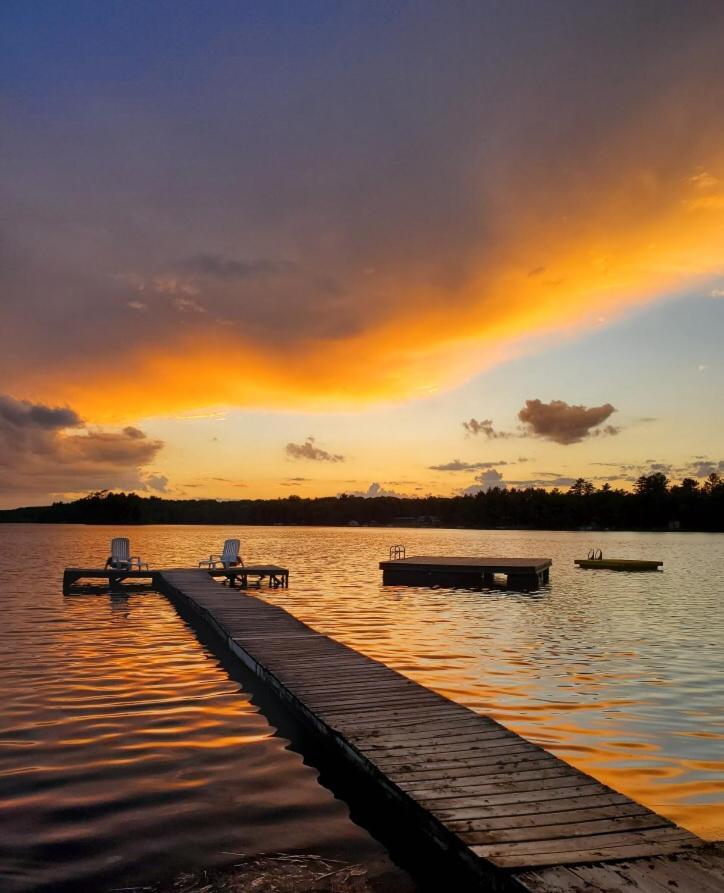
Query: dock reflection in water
(622, 675)
(128, 754)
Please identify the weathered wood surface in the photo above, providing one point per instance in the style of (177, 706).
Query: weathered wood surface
(492, 565)
(431, 570)
(496, 801)
(697, 871)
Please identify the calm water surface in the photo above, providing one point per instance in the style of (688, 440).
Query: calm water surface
(127, 753)
(114, 717)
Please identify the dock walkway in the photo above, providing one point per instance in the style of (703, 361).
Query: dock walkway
(275, 575)
(509, 811)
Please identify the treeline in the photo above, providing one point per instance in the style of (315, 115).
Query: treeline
(654, 504)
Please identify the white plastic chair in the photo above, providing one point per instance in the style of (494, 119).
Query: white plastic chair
(229, 556)
(121, 557)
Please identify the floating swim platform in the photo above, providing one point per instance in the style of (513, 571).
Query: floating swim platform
(618, 564)
(437, 570)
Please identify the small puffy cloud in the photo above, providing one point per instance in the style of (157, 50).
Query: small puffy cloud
(716, 293)
(308, 450)
(188, 305)
(484, 427)
(374, 490)
(544, 481)
(485, 481)
(565, 423)
(458, 465)
(702, 468)
(48, 451)
(158, 482)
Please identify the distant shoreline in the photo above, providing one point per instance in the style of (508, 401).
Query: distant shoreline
(654, 507)
(347, 526)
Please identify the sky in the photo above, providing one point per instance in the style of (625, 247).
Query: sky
(255, 249)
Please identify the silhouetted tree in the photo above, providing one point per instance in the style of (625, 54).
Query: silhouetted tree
(652, 505)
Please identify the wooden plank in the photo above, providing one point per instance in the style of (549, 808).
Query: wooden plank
(496, 751)
(456, 754)
(459, 728)
(555, 780)
(460, 818)
(351, 704)
(617, 824)
(558, 879)
(399, 715)
(471, 771)
(571, 849)
(544, 815)
(641, 850)
(641, 880)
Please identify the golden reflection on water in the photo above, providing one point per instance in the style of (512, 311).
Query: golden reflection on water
(620, 674)
(126, 753)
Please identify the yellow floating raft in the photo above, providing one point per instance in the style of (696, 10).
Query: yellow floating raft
(617, 564)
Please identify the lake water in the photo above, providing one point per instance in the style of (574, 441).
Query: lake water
(127, 751)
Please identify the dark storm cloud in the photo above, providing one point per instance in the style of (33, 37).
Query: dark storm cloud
(43, 453)
(308, 450)
(564, 423)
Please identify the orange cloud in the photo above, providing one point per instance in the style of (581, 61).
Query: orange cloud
(405, 241)
(601, 261)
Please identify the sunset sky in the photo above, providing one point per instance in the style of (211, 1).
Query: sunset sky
(254, 249)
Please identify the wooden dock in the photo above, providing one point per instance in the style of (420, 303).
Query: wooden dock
(276, 577)
(468, 573)
(513, 815)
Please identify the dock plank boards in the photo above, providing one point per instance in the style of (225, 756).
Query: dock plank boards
(276, 575)
(499, 802)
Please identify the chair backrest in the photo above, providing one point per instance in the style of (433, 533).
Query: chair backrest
(120, 548)
(230, 551)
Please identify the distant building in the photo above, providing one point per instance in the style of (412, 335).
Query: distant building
(418, 521)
